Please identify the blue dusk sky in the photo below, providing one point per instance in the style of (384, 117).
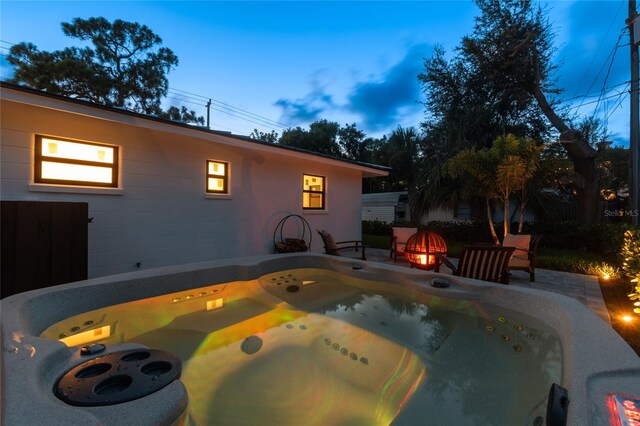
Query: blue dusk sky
(272, 65)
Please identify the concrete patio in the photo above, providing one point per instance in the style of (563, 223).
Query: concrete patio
(583, 288)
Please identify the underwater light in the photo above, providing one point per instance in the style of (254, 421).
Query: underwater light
(87, 336)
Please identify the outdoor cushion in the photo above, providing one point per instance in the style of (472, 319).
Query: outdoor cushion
(520, 242)
(329, 242)
(402, 235)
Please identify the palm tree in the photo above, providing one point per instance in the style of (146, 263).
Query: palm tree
(405, 148)
(496, 173)
(477, 171)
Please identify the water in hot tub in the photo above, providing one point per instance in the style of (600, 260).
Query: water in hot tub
(305, 348)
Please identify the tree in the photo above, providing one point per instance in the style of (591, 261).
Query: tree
(498, 173)
(464, 112)
(477, 169)
(321, 138)
(510, 50)
(182, 114)
(271, 137)
(125, 67)
(351, 141)
(614, 171)
(405, 148)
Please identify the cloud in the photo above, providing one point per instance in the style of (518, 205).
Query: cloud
(587, 60)
(381, 102)
(307, 109)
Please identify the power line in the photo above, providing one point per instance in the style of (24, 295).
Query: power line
(604, 84)
(234, 109)
(594, 95)
(598, 100)
(612, 55)
(617, 106)
(197, 99)
(595, 55)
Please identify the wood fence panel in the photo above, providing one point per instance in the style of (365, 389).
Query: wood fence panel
(43, 244)
(8, 214)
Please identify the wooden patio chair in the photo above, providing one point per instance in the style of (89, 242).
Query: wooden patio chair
(525, 254)
(399, 240)
(339, 248)
(486, 263)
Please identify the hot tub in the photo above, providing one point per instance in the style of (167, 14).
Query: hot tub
(310, 339)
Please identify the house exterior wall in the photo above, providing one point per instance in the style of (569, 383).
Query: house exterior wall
(161, 215)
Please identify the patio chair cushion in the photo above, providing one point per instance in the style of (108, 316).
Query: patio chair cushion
(520, 242)
(329, 242)
(402, 235)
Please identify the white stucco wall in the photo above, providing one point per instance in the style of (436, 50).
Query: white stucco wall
(162, 215)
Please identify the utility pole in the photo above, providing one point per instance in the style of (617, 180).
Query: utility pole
(208, 113)
(634, 141)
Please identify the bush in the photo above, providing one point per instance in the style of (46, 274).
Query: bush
(465, 232)
(601, 238)
(630, 253)
(376, 227)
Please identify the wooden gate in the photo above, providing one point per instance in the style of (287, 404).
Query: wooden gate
(43, 244)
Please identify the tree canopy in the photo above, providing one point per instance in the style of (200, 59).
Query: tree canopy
(327, 137)
(124, 66)
(501, 81)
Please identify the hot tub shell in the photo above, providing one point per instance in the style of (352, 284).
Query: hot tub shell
(596, 361)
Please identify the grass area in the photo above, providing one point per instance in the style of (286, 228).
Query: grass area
(567, 260)
(377, 241)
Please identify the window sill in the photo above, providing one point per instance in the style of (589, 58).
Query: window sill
(312, 212)
(69, 189)
(210, 196)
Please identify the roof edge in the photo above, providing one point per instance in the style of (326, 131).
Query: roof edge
(126, 112)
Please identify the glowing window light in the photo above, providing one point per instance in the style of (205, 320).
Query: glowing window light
(77, 151)
(313, 192)
(215, 184)
(65, 162)
(214, 304)
(217, 169)
(76, 172)
(217, 177)
(87, 336)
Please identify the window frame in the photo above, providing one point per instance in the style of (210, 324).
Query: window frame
(39, 158)
(322, 193)
(225, 178)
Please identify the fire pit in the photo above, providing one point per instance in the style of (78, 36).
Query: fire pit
(422, 249)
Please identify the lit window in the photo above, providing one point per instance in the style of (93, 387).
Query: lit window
(313, 192)
(65, 162)
(217, 177)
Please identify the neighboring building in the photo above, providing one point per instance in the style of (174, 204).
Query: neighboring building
(162, 192)
(393, 207)
(439, 214)
(385, 206)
